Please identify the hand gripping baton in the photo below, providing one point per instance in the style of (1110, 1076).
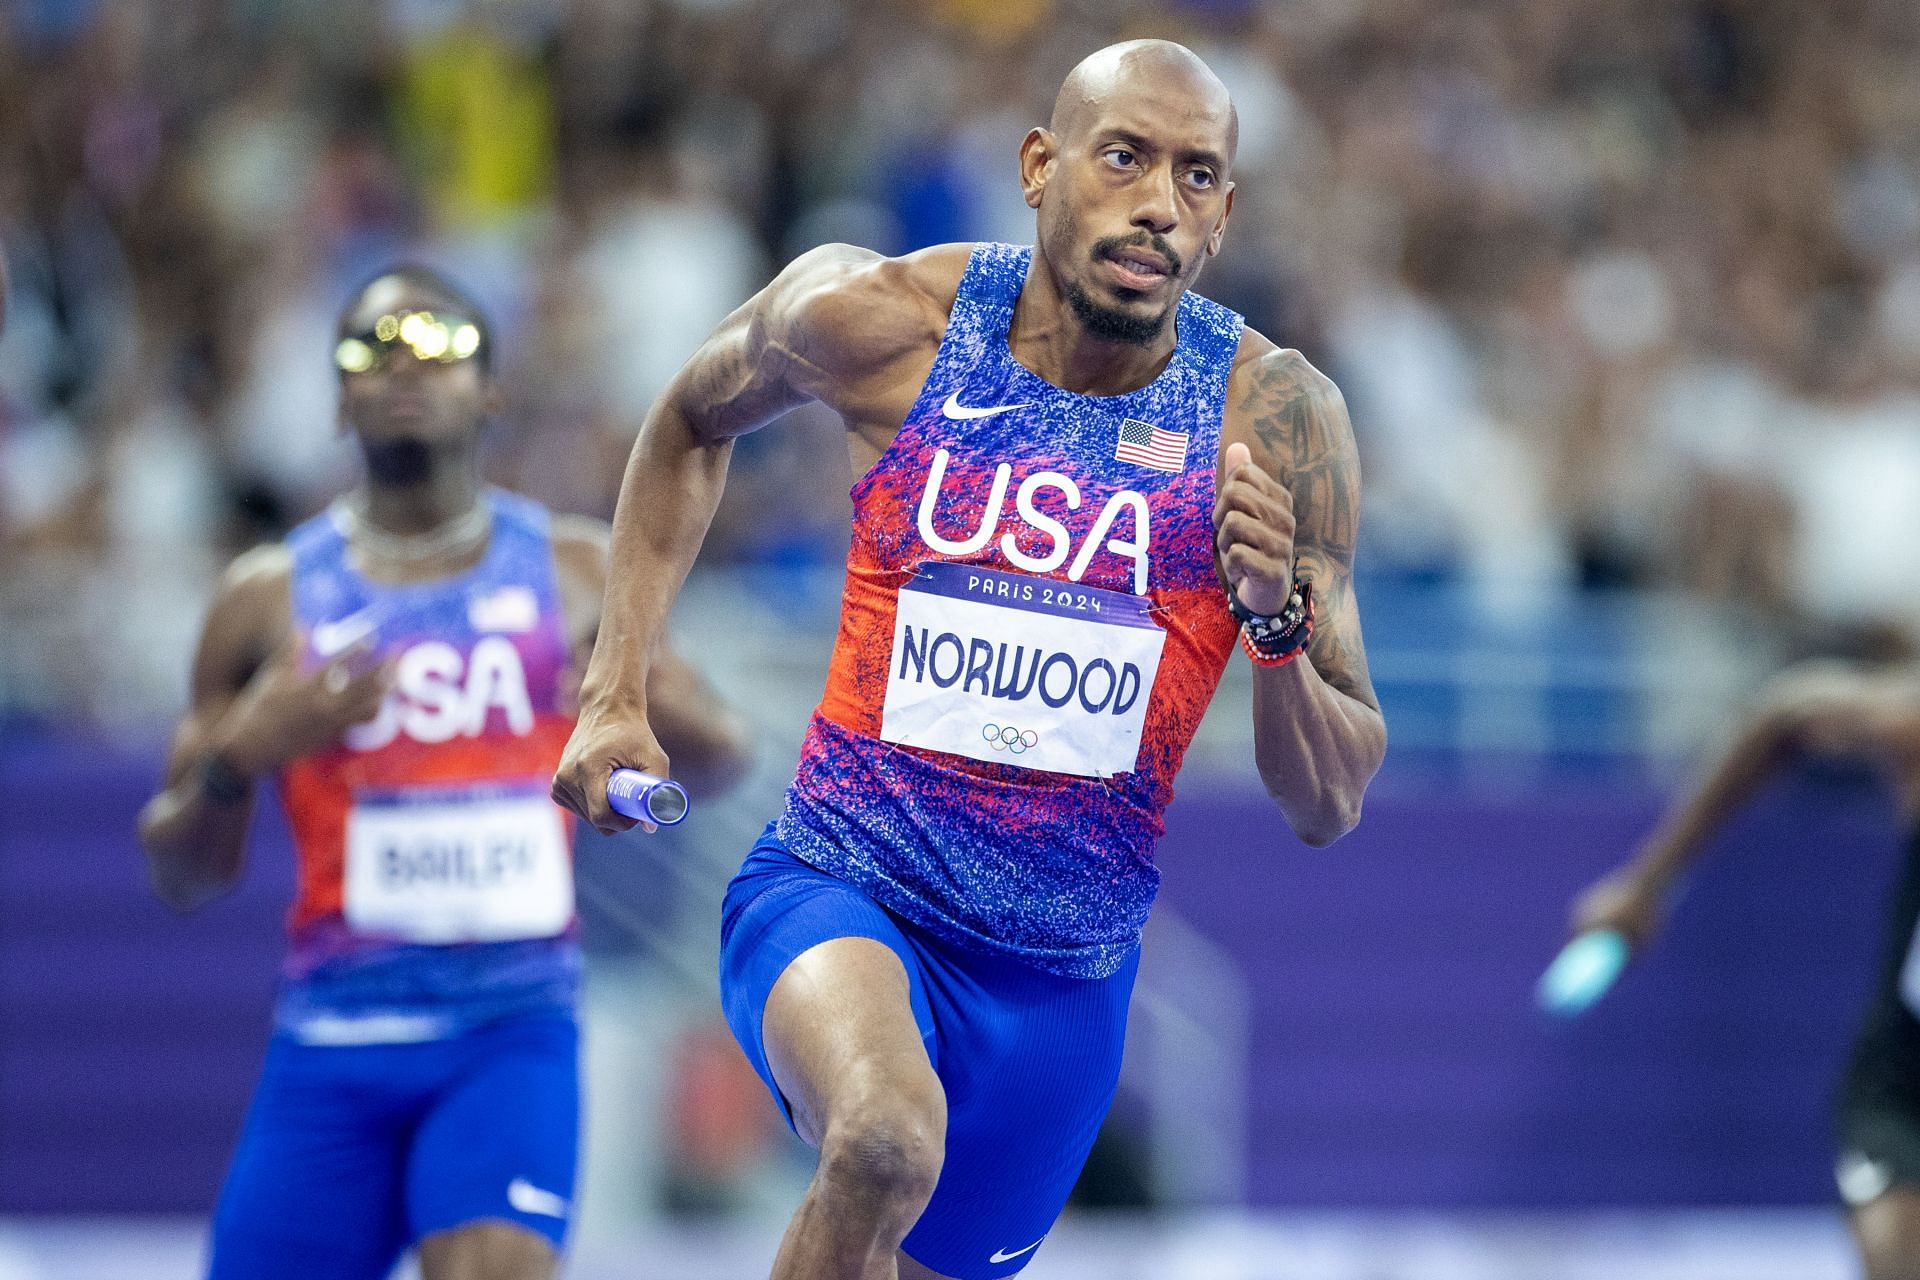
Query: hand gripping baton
(645, 798)
(1583, 972)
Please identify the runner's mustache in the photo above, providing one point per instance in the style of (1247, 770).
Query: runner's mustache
(1107, 248)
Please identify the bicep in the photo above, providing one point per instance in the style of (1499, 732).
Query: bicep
(1327, 506)
(1295, 421)
(1297, 418)
(779, 350)
(247, 621)
(737, 381)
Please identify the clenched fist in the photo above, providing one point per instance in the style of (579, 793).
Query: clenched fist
(605, 739)
(1253, 532)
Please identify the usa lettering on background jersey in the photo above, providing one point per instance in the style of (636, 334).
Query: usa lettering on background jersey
(430, 822)
(439, 694)
(435, 886)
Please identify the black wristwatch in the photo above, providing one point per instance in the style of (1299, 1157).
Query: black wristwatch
(221, 783)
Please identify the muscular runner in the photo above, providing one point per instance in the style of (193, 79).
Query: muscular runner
(1824, 709)
(1071, 471)
(402, 667)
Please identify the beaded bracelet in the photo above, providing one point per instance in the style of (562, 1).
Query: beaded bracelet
(1274, 641)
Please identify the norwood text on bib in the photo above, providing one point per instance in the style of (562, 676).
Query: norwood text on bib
(1013, 669)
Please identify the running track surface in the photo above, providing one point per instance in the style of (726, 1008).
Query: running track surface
(1726, 1245)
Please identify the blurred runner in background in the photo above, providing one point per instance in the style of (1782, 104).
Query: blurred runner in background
(405, 666)
(1821, 709)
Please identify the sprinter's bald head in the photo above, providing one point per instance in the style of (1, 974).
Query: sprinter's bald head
(1131, 181)
(1158, 70)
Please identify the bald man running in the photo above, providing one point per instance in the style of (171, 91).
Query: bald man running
(1080, 487)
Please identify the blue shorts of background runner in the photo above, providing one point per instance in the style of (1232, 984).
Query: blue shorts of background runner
(1029, 1060)
(350, 1154)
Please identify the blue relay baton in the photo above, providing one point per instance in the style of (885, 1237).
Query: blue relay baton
(645, 798)
(1585, 970)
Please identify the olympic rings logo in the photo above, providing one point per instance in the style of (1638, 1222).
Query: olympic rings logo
(1004, 737)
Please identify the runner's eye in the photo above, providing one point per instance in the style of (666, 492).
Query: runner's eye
(1120, 157)
(1201, 178)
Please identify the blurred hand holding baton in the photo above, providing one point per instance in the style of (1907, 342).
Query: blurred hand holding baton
(1585, 970)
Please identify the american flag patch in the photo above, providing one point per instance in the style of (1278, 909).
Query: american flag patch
(1146, 445)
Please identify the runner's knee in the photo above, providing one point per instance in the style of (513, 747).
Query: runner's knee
(887, 1146)
(487, 1251)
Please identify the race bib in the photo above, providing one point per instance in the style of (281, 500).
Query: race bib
(443, 865)
(1019, 670)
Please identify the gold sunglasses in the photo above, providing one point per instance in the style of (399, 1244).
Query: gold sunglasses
(444, 337)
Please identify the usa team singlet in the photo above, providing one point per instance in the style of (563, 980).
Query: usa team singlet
(435, 874)
(1031, 630)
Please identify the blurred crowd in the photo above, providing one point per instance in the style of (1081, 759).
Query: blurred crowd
(1622, 293)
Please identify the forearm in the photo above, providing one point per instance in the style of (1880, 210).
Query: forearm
(195, 844)
(1730, 780)
(672, 487)
(1316, 747)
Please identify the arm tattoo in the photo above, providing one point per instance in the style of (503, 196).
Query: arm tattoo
(1300, 425)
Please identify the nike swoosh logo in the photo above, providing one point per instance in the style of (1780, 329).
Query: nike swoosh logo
(527, 1198)
(1009, 1257)
(330, 638)
(961, 413)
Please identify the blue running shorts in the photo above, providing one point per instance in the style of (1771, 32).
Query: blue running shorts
(350, 1154)
(1029, 1060)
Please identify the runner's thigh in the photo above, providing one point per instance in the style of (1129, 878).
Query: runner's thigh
(314, 1190)
(822, 990)
(1030, 1062)
(841, 1037)
(501, 1143)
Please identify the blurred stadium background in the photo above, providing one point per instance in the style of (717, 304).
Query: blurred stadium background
(1624, 295)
